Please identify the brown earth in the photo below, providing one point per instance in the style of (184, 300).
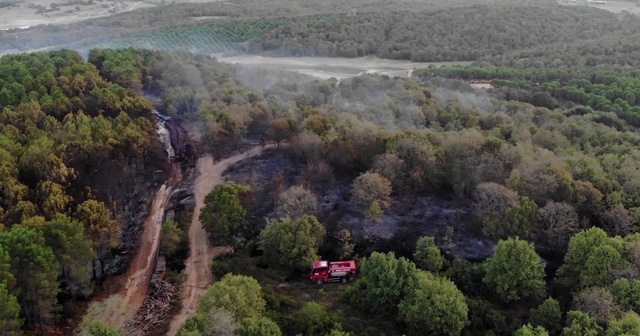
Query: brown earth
(141, 269)
(197, 267)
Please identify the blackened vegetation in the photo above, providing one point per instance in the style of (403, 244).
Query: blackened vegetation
(179, 140)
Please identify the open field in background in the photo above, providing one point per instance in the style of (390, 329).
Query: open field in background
(92, 21)
(27, 13)
(333, 67)
(613, 6)
(217, 36)
(24, 14)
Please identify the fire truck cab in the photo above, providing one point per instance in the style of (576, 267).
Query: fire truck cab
(337, 271)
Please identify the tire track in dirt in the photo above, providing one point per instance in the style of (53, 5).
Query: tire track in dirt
(197, 266)
(143, 263)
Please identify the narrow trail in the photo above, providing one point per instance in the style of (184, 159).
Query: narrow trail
(143, 263)
(198, 264)
(133, 6)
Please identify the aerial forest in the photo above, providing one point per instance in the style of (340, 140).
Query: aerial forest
(509, 209)
(71, 145)
(554, 188)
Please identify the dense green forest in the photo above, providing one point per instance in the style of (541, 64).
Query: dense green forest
(68, 139)
(542, 183)
(531, 34)
(611, 93)
(479, 31)
(619, 51)
(87, 34)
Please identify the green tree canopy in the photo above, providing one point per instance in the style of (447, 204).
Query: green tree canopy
(5, 268)
(241, 295)
(548, 315)
(627, 293)
(529, 330)
(383, 282)
(580, 324)
(98, 328)
(73, 251)
(434, 307)
(259, 326)
(339, 333)
(10, 322)
(224, 214)
(628, 325)
(216, 322)
(314, 320)
(171, 237)
(591, 256)
(519, 220)
(35, 269)
(427, 255)
(601, 262)
(292, 243)
(515, 271)
(346, 242)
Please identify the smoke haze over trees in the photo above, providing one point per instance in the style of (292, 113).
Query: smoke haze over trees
(509, 210)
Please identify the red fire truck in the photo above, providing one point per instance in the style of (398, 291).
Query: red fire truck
(324, 271)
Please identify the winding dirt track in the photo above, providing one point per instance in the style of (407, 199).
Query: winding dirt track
(142, 266)
(198, 264)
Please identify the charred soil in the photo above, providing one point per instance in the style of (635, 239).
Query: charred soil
(408, 218)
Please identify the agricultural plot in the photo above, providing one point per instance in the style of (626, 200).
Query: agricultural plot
(206, 39)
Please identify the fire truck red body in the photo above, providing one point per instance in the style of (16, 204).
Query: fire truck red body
(324, 271)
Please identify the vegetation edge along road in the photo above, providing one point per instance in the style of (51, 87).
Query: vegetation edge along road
(197, 268)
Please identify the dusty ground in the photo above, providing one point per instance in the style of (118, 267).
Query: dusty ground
(612, 6)
(26, 13)
(336, 67)
(197, 267)
(142, 266)
(481, 85)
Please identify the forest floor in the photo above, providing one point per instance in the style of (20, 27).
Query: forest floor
(198, 265)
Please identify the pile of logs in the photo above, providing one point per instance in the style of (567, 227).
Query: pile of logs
(155, 307)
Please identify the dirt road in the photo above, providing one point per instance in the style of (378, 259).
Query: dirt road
(142, 266)
(198, 264)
